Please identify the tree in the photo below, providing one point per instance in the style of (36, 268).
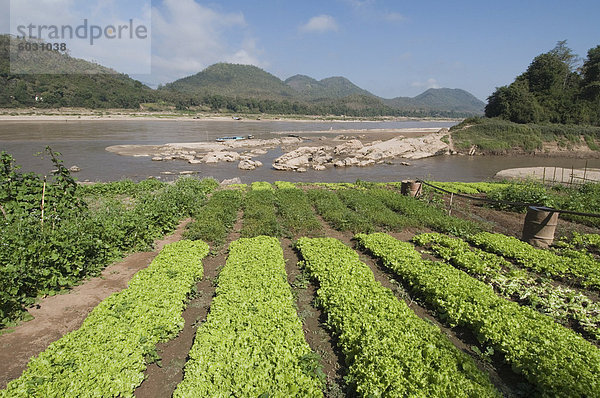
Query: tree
(515, 103)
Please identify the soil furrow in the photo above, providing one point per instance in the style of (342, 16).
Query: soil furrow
(163, 377)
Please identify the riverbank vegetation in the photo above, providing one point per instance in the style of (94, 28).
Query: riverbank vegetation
(554, 106)
(499, 136)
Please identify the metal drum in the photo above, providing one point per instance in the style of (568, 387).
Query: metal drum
(410, 188)
(540, 225)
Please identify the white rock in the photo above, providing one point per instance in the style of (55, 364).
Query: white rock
(231, 181)
(249, 164)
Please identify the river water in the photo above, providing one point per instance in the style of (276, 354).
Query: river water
(83, 143)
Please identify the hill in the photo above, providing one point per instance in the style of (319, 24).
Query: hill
(245, 81)
(440, 99)
(233, 80)
(330, 88)
(82, 83)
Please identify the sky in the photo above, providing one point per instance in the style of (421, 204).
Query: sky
(391, 48)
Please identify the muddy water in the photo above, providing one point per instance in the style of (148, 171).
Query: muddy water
(83, 144)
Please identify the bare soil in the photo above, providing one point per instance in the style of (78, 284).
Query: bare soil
(58, 315)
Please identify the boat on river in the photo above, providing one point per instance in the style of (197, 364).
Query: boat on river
(234, 138)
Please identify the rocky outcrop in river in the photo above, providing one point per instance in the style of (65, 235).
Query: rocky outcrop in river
(355, 153)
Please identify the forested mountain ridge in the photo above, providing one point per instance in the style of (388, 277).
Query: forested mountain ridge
(87, 85)
(219, 88)
(251, 81)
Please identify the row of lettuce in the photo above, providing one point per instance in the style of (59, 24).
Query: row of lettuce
(107, 355)
(252, 343)
(551, 357)
(566, 305)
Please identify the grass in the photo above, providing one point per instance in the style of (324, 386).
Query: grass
(500, 136)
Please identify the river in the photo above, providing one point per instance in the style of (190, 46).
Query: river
(83, 143)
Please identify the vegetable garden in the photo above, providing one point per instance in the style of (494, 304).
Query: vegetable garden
(418, 303)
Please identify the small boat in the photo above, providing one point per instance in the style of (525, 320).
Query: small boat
(236, 118)
(234, 138)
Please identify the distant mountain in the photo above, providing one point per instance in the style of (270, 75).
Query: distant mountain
(83, 84)
(440, 99)
(330, 88)
(247, 81)
(233, 80)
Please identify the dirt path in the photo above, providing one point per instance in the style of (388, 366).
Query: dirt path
(162, 380)
(58, 315)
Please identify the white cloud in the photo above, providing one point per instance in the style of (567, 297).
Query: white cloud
(430, 83)
(394, 17)
(188, 37)
(359, 3)
(126, 55)
(320, 24)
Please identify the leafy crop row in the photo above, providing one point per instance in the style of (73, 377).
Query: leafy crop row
(389, 350)
(296, 212)
(259, 214)
(335, 212)
(423, 214)
(107, 356)
(372, 208)
(252, 344)
(563, 304)
(215, 219)
(539, 260)
(555, 359)
(261, 186)
(590, 242)
(470, 188)
(124, 187)
(285, 185)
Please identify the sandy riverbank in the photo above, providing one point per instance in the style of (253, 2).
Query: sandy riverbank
(75, 114)
(551, 174)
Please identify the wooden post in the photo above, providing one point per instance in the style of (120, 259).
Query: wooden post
(562, 177)
(43, 199)
(451, 199)
(572, 175)
(3, 211)
(544, 177)
(554, 176)
(585, 171)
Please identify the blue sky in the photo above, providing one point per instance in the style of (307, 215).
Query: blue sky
(391, 48)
